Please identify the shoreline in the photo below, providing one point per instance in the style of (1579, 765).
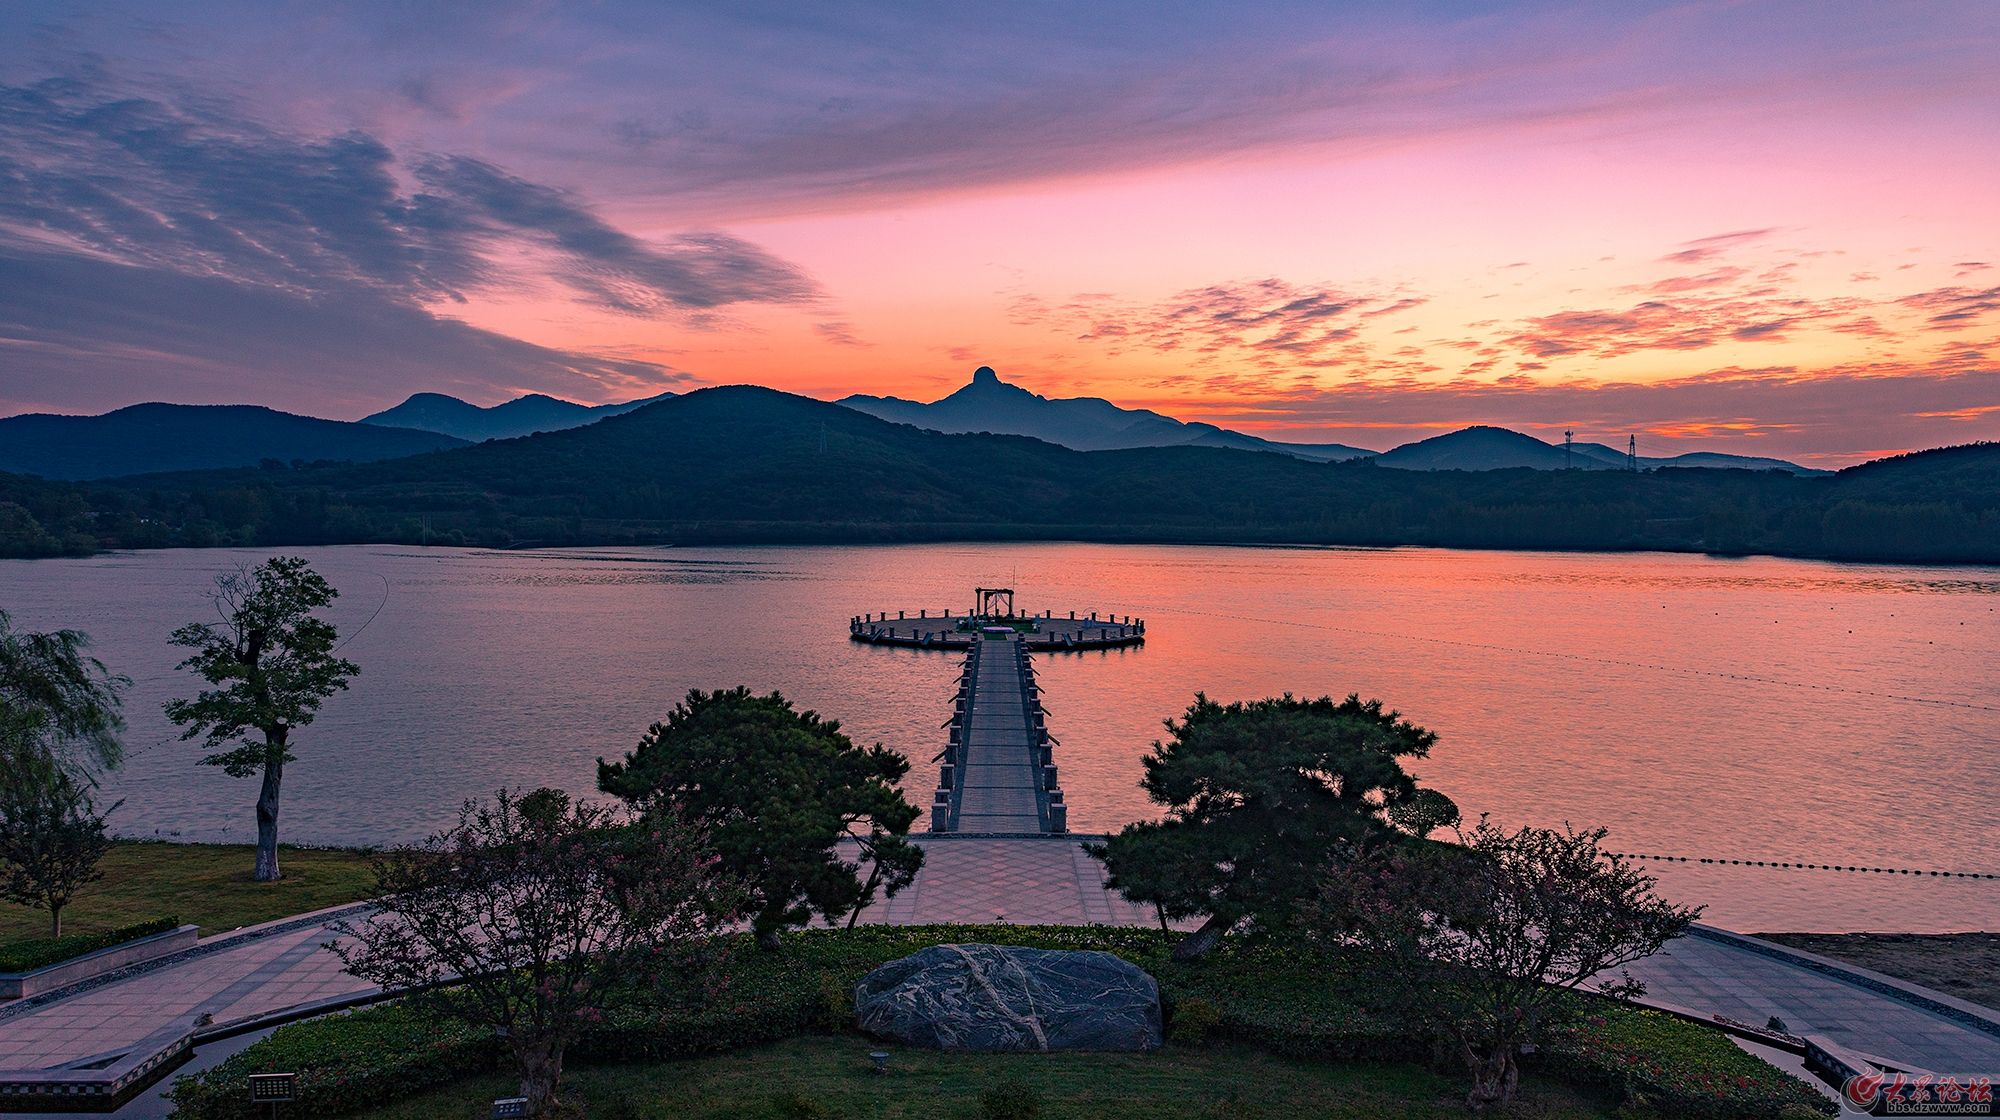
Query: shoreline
(1966, 965)
(887, 540)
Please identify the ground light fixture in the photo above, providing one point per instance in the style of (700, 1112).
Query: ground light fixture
(881, 1060)
(273, 1089)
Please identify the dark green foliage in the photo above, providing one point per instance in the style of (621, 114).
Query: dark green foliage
(1260, 797)
(748, 465)
(57, 701)
(51, 834)
(1305, 1004)
(1192, 1020)
(774, 789)
(26, 956)
(272, 663)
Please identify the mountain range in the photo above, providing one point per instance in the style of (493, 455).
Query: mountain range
(160, 437)
(988, 404)
(145, 438)
(522, 416)
(744, 464)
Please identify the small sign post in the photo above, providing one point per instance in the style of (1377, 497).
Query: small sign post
(508, 1108)
(273, 1089)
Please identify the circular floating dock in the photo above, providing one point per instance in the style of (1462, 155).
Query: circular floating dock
(922, 629)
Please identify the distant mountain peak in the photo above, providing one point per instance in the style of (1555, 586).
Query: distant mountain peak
(524, 415)
(154, 436)
(988, 404)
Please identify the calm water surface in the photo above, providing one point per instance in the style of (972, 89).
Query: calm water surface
(1751, 709)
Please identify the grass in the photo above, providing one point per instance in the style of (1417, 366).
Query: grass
(830, 1077)
(1966, 965)
(208, 884)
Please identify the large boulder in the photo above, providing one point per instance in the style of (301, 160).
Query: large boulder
(1000, 997)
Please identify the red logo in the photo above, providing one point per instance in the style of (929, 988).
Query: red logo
(1863, 1089)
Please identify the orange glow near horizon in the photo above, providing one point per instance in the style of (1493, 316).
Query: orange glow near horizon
(1756, 228)
(1540, 323)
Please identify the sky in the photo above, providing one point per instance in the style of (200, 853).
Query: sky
(1766, 228)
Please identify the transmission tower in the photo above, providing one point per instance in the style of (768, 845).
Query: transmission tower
(1569, 453)
(1632, 453)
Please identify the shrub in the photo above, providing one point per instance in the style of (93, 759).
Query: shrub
(1680, 1068)
(1192, 1021)
(40, 952)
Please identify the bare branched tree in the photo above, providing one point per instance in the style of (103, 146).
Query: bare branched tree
(51, 834)
(530, 911)
(1488, 940)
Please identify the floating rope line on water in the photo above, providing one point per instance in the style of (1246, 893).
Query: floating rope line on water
(1489, 647)
(371, 618)
(1808, 866)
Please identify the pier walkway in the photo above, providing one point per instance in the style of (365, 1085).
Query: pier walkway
(998, 774)
(1046, 632)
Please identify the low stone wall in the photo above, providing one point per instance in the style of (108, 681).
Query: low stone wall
(21, 985)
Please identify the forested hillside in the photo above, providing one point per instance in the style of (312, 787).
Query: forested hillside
(743, 464)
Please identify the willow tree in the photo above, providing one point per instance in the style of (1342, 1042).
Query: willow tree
(272, 663)
(57, 701)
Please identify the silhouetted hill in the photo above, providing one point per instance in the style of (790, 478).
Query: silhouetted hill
(988, 404)
(146, 438)
(536, 412)
(1613, 457)
(1478, 448)
(743, 464)
(1485, 448)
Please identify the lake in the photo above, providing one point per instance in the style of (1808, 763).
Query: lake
(1757, 709)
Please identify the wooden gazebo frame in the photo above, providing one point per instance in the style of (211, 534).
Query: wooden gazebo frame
(993, 602)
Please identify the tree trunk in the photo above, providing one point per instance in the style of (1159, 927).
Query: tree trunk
(1496, 1076)
(267, 815)
(541, 1072)
(1202, 940)
(55, 921)
(767, 925)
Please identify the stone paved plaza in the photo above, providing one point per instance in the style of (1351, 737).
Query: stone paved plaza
(1032, 880)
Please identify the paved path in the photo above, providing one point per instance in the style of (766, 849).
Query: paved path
(970, 879)
(240, 975)
(1749, 980)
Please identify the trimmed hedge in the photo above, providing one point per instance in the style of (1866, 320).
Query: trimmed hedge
(1266, 996)
(40, 952)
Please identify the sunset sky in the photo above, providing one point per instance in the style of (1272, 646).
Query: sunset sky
(1769, 228)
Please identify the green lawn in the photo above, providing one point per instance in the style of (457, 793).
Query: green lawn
(208, 884)
(830, 1077)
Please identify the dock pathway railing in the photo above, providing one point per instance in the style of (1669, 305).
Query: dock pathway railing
(997, 773)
